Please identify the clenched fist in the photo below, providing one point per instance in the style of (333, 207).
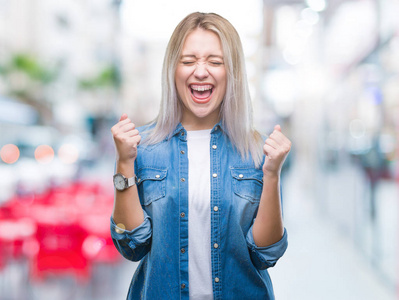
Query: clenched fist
(276, 148)
(126, 139)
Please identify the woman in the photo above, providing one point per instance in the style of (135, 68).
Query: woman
(201, 208)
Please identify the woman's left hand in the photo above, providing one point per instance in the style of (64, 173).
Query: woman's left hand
(276, 148)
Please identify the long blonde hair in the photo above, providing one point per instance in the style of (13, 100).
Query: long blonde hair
(236, 109)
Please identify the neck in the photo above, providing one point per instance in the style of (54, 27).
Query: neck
(191, 122)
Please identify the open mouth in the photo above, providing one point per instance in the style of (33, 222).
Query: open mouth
(201, 93)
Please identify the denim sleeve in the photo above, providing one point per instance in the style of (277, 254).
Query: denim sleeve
(266, 257)
(134, 244)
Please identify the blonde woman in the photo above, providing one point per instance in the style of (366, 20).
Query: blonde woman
(198, 201)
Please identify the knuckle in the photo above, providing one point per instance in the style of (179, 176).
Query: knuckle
(116, 136)
(114, 130)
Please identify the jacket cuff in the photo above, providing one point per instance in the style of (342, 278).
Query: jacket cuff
(139, 235)
(266, 257)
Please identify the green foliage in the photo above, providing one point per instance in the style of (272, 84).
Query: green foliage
(108, 77)
(29, 65)
(32, 68)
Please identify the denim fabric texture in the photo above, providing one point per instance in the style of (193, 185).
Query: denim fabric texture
(239, 267)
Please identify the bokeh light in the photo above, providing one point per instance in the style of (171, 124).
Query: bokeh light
(68, 153)
(44, 154)
(9, 153)
(310, 16)
(317, 5)
(92, 245)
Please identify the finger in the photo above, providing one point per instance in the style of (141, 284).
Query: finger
(127, 127)
(123, 117)
(272, 143)
(268, 151)
(124, 121)
(136, 139)
(279, 137)
(133, 133)
(277, 127)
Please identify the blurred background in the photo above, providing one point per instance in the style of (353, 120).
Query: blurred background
(327, 71)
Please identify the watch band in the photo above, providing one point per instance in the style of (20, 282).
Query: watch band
(131, 181)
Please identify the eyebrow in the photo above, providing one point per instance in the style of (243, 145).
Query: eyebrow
(209, 56)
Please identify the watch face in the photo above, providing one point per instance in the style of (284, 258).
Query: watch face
(119, 182)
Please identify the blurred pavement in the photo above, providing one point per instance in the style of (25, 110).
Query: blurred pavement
(321, 263)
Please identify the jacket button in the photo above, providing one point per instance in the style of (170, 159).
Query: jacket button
(215, 208)
(120, 228)
(157, 176)
(215, 245)
(241, 176)
(182, 152)
(214, 175)
(182, 250)
(216, 279)
(214, 147)
(182, 214)
(183, 285)
(182, 179)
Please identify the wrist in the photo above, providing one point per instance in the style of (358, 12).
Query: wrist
(126, 168)
(270, 175)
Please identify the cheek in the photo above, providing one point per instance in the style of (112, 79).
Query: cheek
(223, 86)
(180, 84)
(222, 79)
(181, 79)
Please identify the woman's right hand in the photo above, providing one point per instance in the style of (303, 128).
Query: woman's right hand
(126, 139)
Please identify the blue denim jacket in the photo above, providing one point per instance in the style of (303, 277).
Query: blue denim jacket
(239, 267)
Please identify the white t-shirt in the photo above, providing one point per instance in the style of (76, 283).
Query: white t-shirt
(199, 216)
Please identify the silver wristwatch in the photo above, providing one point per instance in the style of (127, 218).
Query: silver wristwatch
(121, 183)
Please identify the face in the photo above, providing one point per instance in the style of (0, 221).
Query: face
(201, 79)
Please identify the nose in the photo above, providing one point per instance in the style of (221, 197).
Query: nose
(201, 71)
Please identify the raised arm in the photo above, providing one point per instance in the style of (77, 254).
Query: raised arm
(127, 212)
(268, 226)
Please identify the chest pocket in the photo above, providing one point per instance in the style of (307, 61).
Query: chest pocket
(247, 183)
(151, 184)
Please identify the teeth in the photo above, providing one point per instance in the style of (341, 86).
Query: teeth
(201, 88)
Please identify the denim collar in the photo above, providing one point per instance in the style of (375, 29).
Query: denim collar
(179, 129)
